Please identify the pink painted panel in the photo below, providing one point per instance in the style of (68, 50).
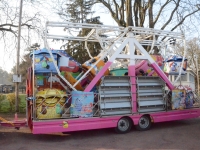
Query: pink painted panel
(169, 116)
(67, 125)
(77, 124)
(97, 77)
(131, 72)
(162, 75)
(176, 115)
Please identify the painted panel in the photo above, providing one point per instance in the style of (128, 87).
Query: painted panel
(173, 65)
(82, 104)
(178, 99)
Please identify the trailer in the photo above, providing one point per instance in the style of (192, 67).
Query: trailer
(123, 86)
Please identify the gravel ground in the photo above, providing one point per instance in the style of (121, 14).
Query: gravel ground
(176, 135)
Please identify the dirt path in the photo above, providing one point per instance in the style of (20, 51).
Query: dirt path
(177, 135)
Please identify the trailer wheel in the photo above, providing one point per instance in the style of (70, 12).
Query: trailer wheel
(124, 125)
(144, 123)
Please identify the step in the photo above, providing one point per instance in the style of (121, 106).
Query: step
(149, 89)
(149, 84)
(119, 84)
(114, 99)
(110, 90)
(115, 95)
(150, 94)
(151, 103)
(150, 81)
(111, 105)
(115, 112)
(151, 109)
(150, 98)
(115, 81)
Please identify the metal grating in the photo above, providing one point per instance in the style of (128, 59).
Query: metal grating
(150, 93)
(115, 95)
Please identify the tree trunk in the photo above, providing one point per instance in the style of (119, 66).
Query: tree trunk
(151, 23)
(129, 19)
(135, 10)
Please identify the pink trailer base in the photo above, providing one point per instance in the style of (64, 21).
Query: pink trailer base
(16, 123)
(68, 125)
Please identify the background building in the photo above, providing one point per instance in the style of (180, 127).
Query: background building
(186, 80)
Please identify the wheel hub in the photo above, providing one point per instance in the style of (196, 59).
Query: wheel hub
(123, 125)
(143, 123)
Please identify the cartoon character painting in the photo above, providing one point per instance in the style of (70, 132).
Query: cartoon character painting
(182, 100)
(174, 64)
(78, 104)
(44, 61)
(87, 108)
(178, 99)
(189, 99)
(82, 104)
(58, 109)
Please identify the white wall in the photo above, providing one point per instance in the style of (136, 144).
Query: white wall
(187, 79)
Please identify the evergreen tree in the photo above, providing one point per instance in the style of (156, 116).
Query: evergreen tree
(78, 10)
(77, 48)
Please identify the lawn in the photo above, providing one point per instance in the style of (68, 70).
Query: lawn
(6, 108)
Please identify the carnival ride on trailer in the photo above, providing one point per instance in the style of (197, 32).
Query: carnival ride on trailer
(116, 89)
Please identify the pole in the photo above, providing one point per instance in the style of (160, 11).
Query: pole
(197, 75)
(17, 65)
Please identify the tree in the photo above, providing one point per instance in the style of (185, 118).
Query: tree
(151, 13)
(76, 11)
(192, 54)
(9, 23)
(4, 77)
(164, 15)
(77, 48)
(9, 19)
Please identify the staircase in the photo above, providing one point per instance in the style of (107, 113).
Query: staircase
(115, 95)
(150, 94)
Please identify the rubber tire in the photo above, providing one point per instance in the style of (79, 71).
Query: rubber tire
(144, 123)
(124, 125)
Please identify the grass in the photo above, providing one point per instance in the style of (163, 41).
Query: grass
(5, 105)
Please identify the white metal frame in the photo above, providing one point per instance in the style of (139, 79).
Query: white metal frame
(119, 37)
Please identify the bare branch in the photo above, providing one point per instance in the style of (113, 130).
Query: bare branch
(160, 11)
(8, 30)
(172, 14)
(150, 5)
(113, 14)
(116, 8)
(135, 11)
(184, 19)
